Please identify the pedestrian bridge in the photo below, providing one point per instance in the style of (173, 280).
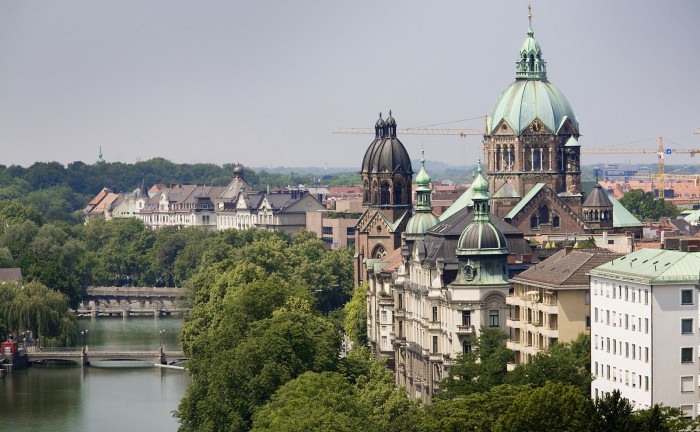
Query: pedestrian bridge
(163, 355)
(127, 301)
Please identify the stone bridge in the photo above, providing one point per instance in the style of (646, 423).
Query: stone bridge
(126, 301)
(84, 355)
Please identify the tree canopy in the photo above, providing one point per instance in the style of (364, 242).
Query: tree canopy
(644, 206)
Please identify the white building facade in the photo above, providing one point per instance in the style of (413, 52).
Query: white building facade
(644, 329)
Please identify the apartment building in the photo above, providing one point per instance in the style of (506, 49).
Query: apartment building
(644, 330)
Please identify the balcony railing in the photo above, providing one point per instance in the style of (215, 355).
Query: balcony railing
(465, 330)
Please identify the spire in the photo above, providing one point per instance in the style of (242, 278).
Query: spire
(423, 190)
(480, 196)
(531, 65)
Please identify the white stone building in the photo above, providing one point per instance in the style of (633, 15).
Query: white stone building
(644, 329)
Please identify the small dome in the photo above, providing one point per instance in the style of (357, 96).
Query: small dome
(380, 122)
(423, 179)
(480, 187)
(390, 120)
(238, 169)
(419, 224)
(481, 238)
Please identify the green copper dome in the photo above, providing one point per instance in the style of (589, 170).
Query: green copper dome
(424, 219)
(481, 237)
(531, 96)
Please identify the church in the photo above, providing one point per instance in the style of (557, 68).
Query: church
(434, 282)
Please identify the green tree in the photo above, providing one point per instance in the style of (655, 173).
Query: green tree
(563, 363)
(553, 407)
(614, 414)
(645, 206)
(356, 315)
(660, 418)
(473, 412)
(480, 369)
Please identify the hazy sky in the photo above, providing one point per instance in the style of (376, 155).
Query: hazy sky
(264, 83)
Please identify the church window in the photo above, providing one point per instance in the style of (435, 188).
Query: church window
(544, 214)
(384, 194)
(534, 221)
(555, 221)
(398, 194)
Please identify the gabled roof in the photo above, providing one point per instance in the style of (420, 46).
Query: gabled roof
(566, 270)
(505, 191)
(523, 202)
(653, 266)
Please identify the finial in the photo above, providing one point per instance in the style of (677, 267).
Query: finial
(529, 13)
(380, 115)
(478, 166)
(389, 113)
(422, 157)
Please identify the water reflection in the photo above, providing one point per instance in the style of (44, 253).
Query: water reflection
(107, 396)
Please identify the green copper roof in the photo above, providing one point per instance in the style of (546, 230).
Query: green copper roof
(422, 179)
(622, 218)
(572, 142)
(480, 185)
(523, 202)
(527, 100)
(465, 200)
(531, 96)
(653, 266)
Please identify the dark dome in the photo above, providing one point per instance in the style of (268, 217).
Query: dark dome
(389, 155)
(390, 120)
(367, 160)
(481, 238)
(237, 169)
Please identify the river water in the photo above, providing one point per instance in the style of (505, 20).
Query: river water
(106, 396)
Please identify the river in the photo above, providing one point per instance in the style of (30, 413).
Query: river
(106, 396)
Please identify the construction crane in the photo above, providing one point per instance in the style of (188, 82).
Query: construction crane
(660, 152)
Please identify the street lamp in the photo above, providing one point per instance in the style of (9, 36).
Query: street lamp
(160, 333)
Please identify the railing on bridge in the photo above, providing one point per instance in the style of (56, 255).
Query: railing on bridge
(85, 354)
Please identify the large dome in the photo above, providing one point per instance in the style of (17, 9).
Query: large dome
(386, 153)
(527, 100)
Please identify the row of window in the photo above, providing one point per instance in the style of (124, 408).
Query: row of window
(629, 350)
(633, 295)
(620, 320)
(611, 374)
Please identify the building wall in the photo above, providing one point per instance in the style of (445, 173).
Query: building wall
(572, 310)
(667, 341)
(636, 342)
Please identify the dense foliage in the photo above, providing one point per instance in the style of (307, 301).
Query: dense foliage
(645, 206)
(35, 308)
(253, 318)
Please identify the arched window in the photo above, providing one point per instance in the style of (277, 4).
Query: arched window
(466, 346)
(544, 214)
(398, 194)
(537, 159)
(555, 221)
(534, 221)
(384, 194)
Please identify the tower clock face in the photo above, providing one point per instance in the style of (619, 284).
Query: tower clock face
(536, 126)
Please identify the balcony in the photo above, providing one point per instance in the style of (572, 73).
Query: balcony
(465, 330)
(513, 301)
(513, 345)
(436, 357)
(434, 326)
(550, 332)
(513, 322)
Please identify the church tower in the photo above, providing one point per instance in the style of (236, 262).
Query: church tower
(387, 198)
(532, 134)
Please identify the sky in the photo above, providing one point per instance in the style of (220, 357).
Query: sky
(264, 83)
